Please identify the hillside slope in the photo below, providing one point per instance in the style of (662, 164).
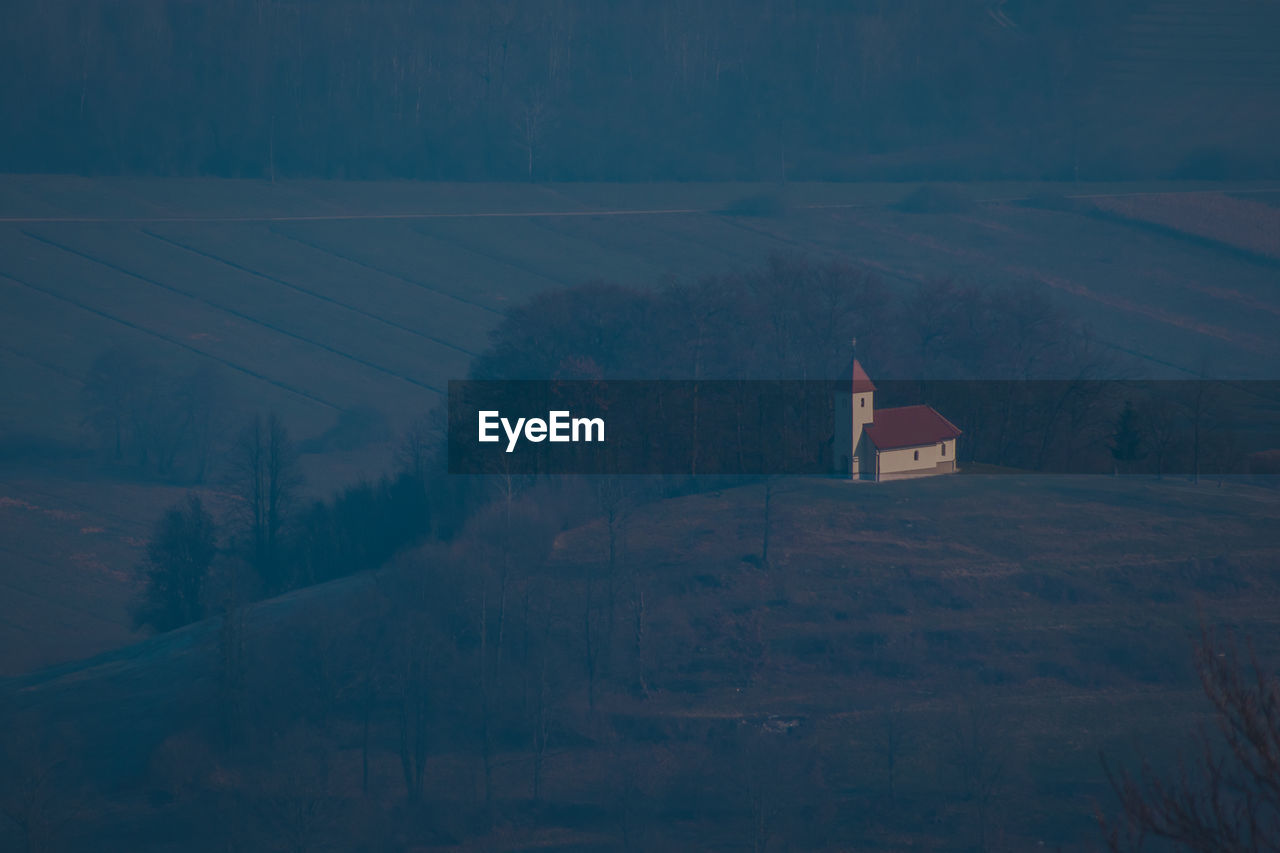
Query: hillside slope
(1056, 612)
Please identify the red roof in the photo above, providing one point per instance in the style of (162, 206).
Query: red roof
(861, 381)
(909, 426)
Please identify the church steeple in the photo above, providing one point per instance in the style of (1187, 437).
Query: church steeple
(854, 409)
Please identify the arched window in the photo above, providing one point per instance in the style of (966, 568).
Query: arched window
(944, 448)
(917, 455)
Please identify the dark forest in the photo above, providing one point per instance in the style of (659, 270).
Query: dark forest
(567, 90)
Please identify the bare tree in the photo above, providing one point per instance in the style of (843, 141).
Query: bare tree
(532, 115)
(1221, 452)
(893, 720)
(766, 522)
(1201, 404)
(111, 399)
(1226, 797)
(157, 420)
(639, 629)
(421, 441)
(503, 547)
(613, 496)
(592, 641)
(265, 478)
(538, 670)
(429, 598)
(411, 648)
(1162, 424)
(369, 678)
(929, 320)
(203, 396)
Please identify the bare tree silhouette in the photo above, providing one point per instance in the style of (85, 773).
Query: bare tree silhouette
(1224, 798)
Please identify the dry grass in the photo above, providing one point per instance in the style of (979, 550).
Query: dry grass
(1057, 610)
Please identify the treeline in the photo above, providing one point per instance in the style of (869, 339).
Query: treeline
(560, 89)
(791, 318)
(980, 354)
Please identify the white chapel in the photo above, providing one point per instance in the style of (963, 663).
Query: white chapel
(888, 444)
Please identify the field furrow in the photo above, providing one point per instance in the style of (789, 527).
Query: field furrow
(384, 298)
(167, 339)
(472, 291)
(329, 300)
(289, 321)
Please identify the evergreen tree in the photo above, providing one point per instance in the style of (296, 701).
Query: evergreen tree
(1127, 439)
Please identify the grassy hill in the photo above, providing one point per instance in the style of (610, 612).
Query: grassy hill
(1021, 624)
